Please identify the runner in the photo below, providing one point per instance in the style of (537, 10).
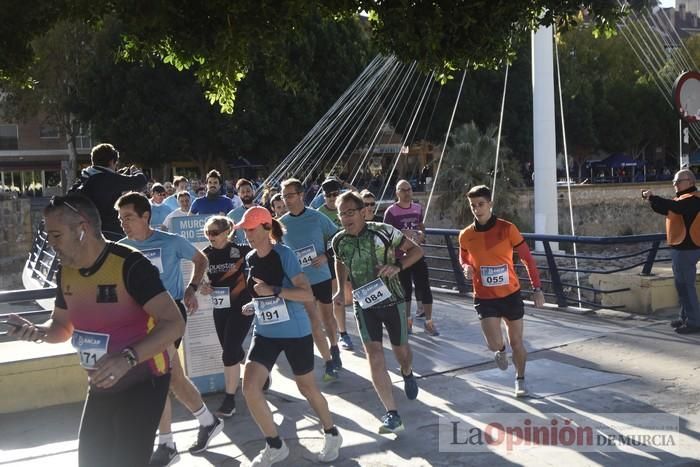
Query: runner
(213, 202)
(408, 216)
(166, 251)
(228, 293)
(278, 207)
(486, 253)
(120, 331)
(331, 189)
(365, 252)
(279, 287)
(308, 234)
(246, 192)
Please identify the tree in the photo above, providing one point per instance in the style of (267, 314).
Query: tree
(469, 161)
(218, 39)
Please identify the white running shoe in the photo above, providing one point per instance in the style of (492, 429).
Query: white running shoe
(269, 456)
(331, 448)
(520, 388)
(501, 358)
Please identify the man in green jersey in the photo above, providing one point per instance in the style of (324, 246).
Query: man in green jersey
(365, 252)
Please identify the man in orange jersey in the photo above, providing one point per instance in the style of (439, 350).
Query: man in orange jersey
(683, 236)
(486, 254)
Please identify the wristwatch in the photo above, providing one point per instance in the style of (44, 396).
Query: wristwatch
(194, 286)
(276, 291)
(130, 357)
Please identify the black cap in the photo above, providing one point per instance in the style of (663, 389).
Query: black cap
(330, 185)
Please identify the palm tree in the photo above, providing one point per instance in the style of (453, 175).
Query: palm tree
(469, 161)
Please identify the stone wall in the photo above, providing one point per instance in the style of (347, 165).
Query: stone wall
(599, 210)
(16, 226)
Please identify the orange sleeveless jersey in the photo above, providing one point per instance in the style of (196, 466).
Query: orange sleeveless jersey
(490, 254)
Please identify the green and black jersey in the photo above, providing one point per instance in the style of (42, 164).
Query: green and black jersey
(365, 253)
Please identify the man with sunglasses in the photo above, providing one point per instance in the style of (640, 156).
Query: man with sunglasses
(112, 304)
(407, 215)
(166, 251)
(683, 236)
(308, 233)
(370, 202)
(365, 252)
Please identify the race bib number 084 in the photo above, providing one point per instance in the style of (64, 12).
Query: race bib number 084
(371, 294)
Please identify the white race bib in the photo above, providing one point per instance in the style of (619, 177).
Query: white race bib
(306, 255)
(91, 346)
(221, 297)
(371, 294)
(494, 276)
(270, 310)
(154, 256)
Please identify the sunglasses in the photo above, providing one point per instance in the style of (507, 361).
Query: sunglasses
(368, 205)
(332, 194)
(57, 201)
(214, 233)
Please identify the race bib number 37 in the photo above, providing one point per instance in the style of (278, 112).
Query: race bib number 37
(494, 276)
(91, 346)
(221, 297)
(371, 294)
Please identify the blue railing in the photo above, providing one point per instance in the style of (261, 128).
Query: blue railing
(641, 250)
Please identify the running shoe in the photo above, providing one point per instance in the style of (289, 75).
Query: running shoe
(410, 386)
(346, 342)
(676, 323)
(391, 424)
(205, 435)
(228, 407)
(335, 357)
(520, 388)
(164, 456)
(501, 358)
(269, 456)
(331, 448)
(330, 374)
(267, 384)
(420, 314)
(687, 329)
(430, 328)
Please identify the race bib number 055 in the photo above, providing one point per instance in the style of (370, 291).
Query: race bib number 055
(494, 276)
(270, 310)
(91, 346)
(371, 294)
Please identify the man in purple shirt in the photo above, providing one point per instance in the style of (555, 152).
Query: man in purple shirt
(408, 216)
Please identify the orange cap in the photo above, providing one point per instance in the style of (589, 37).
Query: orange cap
(253, 217)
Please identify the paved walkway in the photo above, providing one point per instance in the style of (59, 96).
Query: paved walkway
(597, 366)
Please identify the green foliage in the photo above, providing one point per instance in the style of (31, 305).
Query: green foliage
(470, 160)
(218, 39)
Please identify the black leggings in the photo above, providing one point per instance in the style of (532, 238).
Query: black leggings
(118, 429)
(232, 328)
(417, 274)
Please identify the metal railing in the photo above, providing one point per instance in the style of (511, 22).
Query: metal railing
(556, 266)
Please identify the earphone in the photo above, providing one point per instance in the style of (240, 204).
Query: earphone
(82, 234)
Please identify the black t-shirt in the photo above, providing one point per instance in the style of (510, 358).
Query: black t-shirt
(227, 269)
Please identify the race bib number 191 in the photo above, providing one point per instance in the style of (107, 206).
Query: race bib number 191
(494, 276)
(371, 294)
(91, 346)
(270, 310)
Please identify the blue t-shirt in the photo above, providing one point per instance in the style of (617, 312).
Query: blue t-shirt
(278, 268)
(208, 205)
(165, 251)
(309, 229)
(236, 215)
(158, 214)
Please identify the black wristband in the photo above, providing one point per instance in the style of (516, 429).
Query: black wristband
(276, 291)
(194, 286)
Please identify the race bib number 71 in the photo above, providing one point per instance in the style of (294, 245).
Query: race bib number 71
(91, 346)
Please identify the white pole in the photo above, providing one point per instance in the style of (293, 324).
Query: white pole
(544, 135)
